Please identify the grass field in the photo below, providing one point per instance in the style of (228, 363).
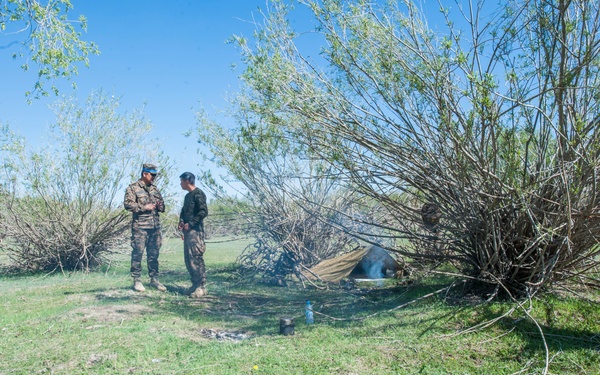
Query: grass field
(95, 324)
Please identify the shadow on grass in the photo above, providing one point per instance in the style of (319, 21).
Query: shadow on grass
(557, 339)
(252, 306)
(556, 332)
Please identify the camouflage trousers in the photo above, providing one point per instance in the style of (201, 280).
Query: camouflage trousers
(149, 240)
(193, 251)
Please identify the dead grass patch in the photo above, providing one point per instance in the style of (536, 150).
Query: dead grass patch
(111, 314)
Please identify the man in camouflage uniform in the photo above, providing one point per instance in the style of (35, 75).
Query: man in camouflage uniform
(191, 222)
(143, 199)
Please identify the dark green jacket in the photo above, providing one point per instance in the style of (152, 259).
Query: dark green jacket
(194, 209)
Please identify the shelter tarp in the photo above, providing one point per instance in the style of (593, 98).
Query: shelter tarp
(335, 269)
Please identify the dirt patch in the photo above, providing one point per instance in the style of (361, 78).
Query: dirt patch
(111, 314)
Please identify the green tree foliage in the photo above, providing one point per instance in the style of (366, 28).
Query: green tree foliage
(49, 40)
(493, 120)
(62, 205)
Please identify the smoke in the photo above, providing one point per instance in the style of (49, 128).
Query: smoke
(374, 263)
(374, 270)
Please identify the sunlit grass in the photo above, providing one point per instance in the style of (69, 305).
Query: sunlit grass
(94, 323)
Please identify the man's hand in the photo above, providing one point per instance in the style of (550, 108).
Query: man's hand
(149, 207)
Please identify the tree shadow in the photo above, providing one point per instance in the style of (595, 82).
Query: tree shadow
(556, 333)
(253, 306)
(556, 338)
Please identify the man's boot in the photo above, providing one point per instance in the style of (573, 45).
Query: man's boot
(157, 284)
(200, 291)
(137, 285)
(191, 289)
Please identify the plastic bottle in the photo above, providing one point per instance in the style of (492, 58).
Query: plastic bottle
(308, 311)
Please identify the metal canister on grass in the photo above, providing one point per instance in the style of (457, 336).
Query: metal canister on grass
(286, 326)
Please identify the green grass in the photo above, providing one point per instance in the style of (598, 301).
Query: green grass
(95, 324)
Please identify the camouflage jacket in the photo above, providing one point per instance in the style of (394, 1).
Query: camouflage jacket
(137, 196)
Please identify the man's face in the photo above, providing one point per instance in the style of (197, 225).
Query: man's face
(184, 183)
(148, 178)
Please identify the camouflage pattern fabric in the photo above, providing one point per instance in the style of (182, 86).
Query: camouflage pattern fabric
(193, 250)
(431, 214)
(149, 240)
(145, 226)
(137, 196)
(193, 212)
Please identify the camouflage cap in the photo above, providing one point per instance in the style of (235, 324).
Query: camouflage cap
(150, 168)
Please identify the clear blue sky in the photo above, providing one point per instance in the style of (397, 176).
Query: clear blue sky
(171, 55)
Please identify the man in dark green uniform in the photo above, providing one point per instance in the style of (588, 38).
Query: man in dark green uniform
(191, 222)
(143, 199)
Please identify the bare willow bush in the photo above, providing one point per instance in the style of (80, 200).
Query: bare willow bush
(225, 220)
(61, 208)
(492, 117)
(285, 205)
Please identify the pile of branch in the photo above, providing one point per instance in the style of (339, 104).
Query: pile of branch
(48, 235)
